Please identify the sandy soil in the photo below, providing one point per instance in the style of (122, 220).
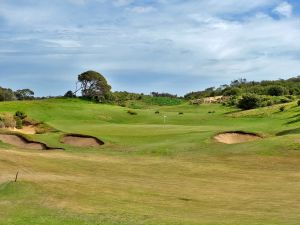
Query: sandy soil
(81, 141)
(24, 130)
(20, 142)
(235, 137)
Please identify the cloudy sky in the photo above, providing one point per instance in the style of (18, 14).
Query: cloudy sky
(172, 46)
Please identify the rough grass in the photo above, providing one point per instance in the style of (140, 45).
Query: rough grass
(149, 172)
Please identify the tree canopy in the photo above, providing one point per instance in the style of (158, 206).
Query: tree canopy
(94, 86)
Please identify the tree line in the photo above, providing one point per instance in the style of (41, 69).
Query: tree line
(7, 94)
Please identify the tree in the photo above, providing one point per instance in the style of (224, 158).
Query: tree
(94, 86)
(235, 91)
(249, 101)
(24, 94)
(276, 91)
(6, 94)
(69, 94)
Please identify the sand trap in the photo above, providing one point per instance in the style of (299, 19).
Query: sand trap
(79, 140)
(22, 142)
(236, 137)
(25, 130)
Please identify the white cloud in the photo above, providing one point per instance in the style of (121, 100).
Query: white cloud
(141, 9)
(219, 40)
(284, 9)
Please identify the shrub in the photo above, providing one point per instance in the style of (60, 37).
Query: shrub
(131, 112)
(269, 103)
(69, 94)
(20, 115)
(8, 120)
(19, 124)
(180, 113)
(298, 102)
(156, 112)
(276, 91)
(284, 100)
(282, 108)
(232, 101)
(250, 101)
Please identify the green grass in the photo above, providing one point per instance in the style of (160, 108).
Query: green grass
(149, 172)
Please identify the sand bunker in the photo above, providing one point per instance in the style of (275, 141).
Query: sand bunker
(79, 140)
(236, 137)
(22, 142)
(25, 130)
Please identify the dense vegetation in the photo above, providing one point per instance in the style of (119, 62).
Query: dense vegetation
(251, 94)
(240, 93)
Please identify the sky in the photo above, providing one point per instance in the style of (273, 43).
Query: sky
(174, 46)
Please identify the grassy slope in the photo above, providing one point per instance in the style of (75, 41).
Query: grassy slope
(151, 173)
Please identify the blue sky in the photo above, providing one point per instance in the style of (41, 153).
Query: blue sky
(172, 46)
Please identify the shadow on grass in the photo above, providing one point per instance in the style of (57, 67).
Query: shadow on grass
(287, 132)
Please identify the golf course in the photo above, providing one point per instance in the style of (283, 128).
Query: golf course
(168, 165)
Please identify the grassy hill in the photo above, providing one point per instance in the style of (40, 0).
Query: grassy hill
(151, 172)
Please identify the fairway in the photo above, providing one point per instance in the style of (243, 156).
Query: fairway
(151, 171)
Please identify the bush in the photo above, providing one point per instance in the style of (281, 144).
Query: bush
(19, 123)
(298, 102)
(269, 103)
(232, 101)
(180, 113)
(70, 94)
(249, 101)
(276, 91)
(282, 108)
(284, 100)
(131, 112)
(156, 112)
(8, 120)
(20, 115)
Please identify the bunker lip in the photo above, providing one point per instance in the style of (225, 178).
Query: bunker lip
(81, 140)
(235, 137)
(19, 140)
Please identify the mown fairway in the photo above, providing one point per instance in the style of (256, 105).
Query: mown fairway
(149, 172)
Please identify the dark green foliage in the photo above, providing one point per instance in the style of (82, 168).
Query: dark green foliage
(19, 123)
(94, 86)
(298, 103)
(276, 91)
(162, 101)
(180, 113)
(156, 112)
(249, 101)
(7, 94)
(70, 94)
(121, 97)
(168, 95)
(24, 94)
(282, 108)
(242, 86)
(232, 91)
(131, 112)
(20, 115)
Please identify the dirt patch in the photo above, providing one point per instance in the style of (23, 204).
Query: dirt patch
(236, 137)
(22, 142)
(79, 140)
(25, 130)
